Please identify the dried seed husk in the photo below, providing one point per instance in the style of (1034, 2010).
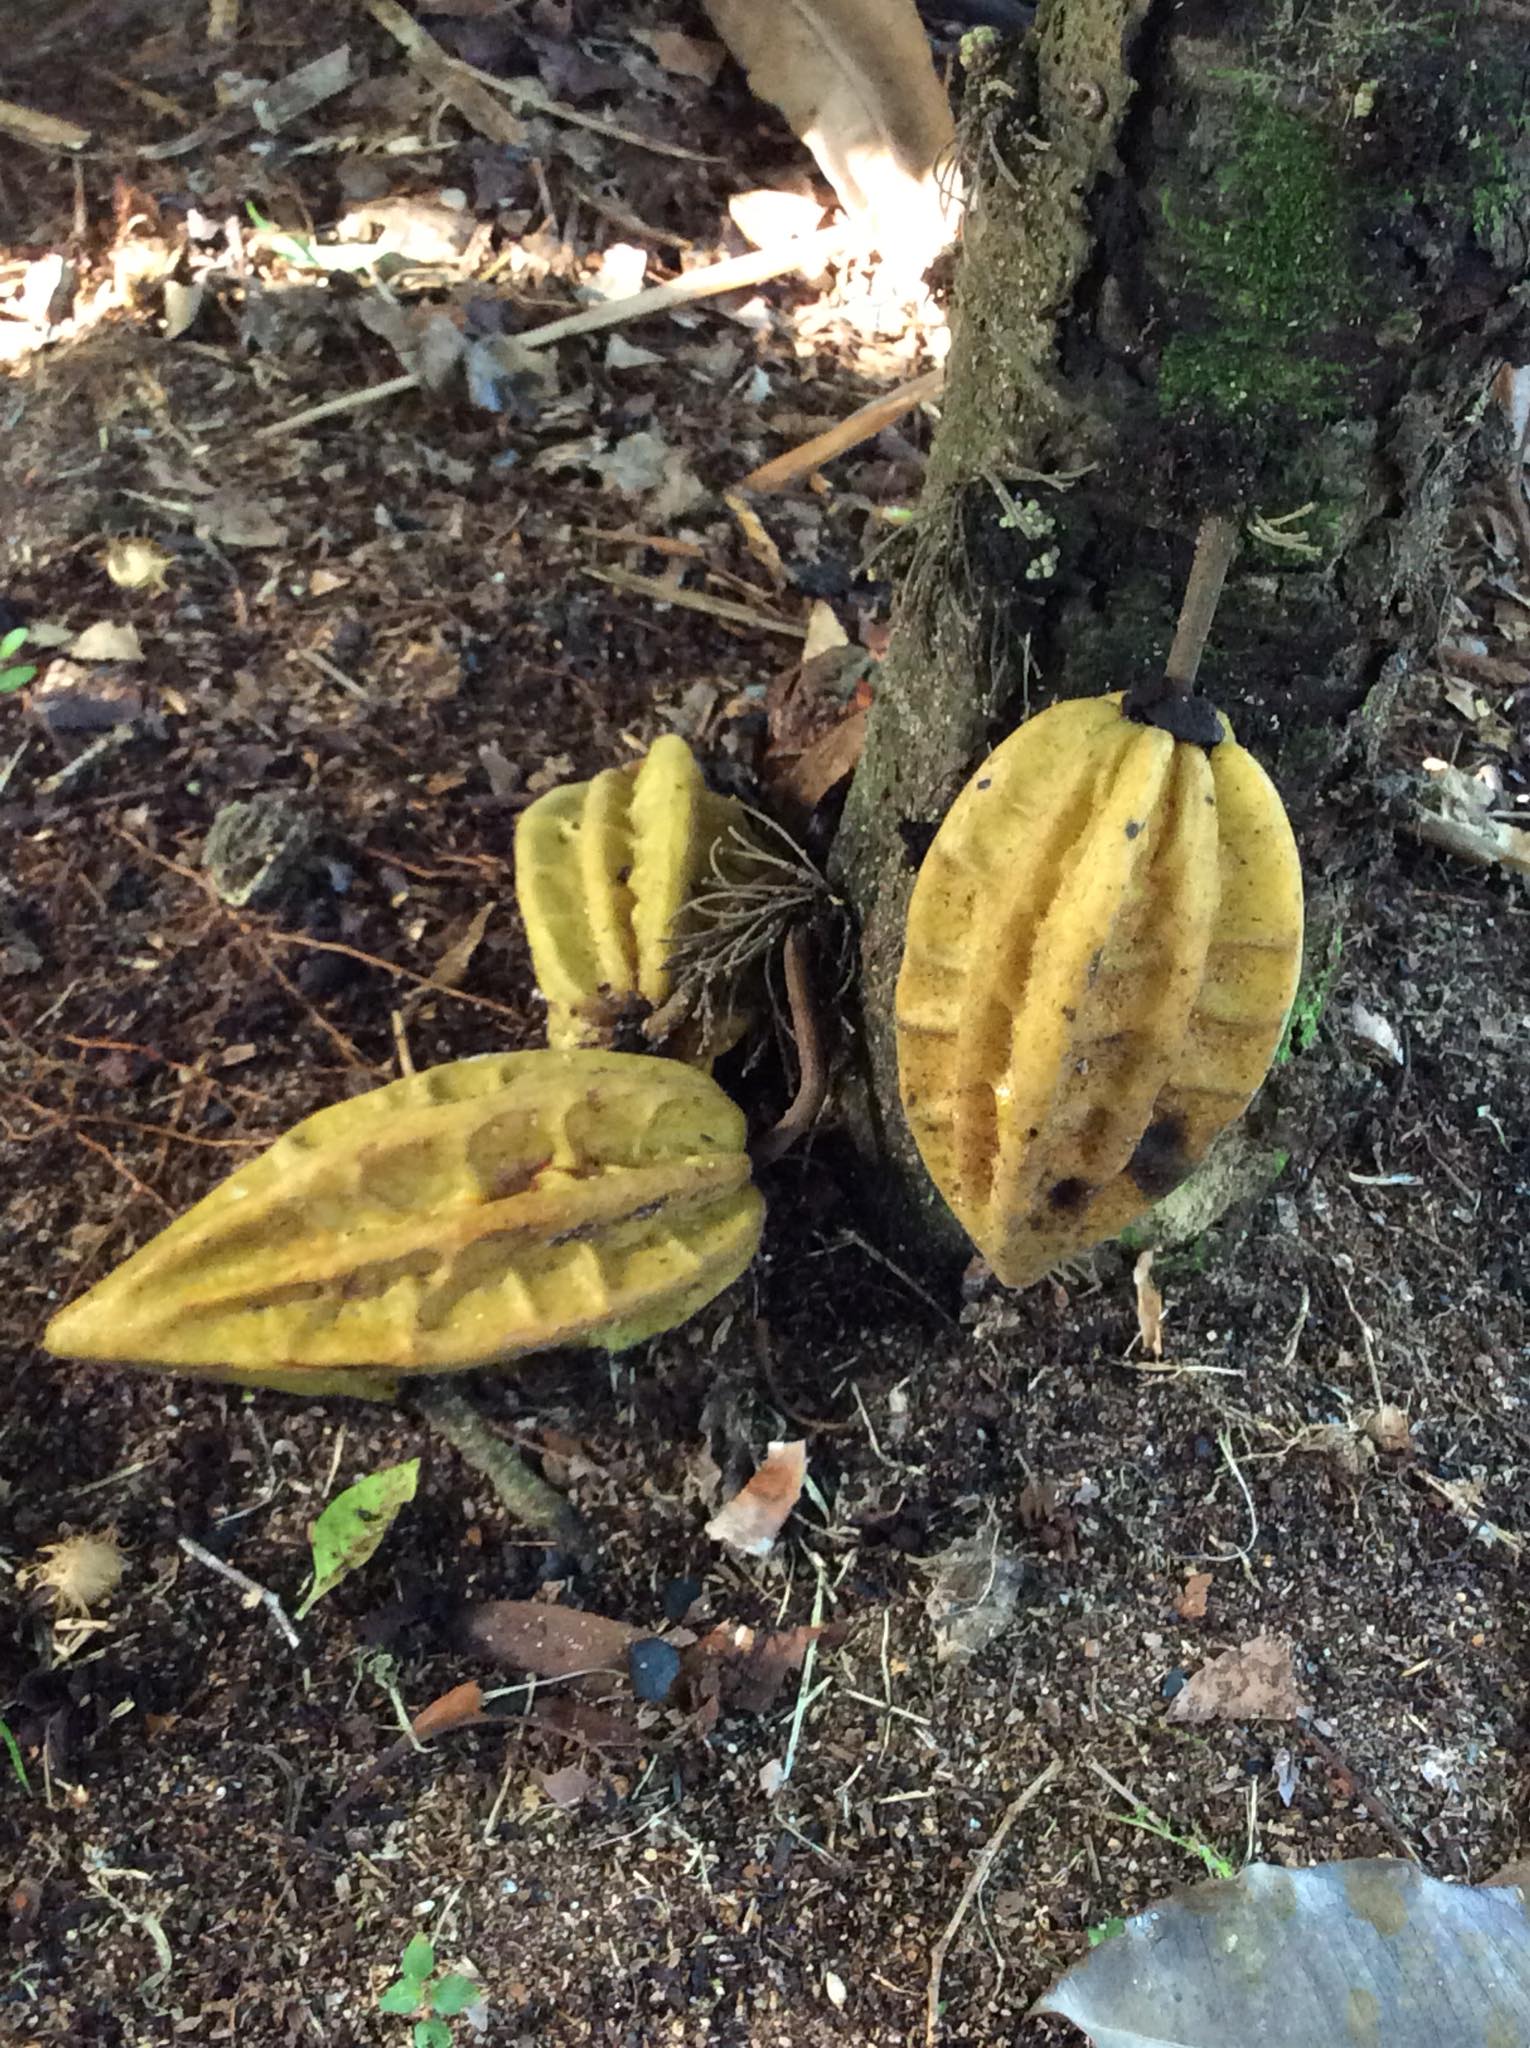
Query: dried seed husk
(1103, 946)
(458, 1218)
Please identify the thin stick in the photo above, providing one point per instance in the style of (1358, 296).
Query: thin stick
(235, 1577)
(806, 252)
(859, 426)
(45, 131)
(478, 108)
(697, 601)
(1215, 546)
(530, 1499)
(813, 1077)
(522, 92)
(975, 1883)
(1373, 1802)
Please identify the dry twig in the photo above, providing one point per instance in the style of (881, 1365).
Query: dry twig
(974, 1885)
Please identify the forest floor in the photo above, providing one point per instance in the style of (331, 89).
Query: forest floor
(1028, 1529)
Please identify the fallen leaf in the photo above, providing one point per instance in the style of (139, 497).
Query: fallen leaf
(857, 83)
(183, 302)
(1149, 1306)
(459, 1708)
(567, 1788)
(772, 1776)
(105, 641)
(752, 1520)
(685, 56)
(458, 957)
(355, 1522)
(231, 518)
(634, 465)
(973, 1592)
(549, 1642)
(1376, 1034)
(826, 761)
(1254, 1682)
(1365, 1951)
(824, 632)
(745, 1668)
(1191, 1603)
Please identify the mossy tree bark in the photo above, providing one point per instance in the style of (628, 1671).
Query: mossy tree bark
(1240, 255)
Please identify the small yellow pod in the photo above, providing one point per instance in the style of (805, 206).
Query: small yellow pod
(461, 1217)
(1103, 946)
(604, 871)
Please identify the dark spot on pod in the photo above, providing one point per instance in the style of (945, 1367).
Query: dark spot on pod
(986, 783)
(1134, 826)
(1070, 1013)
(1160, 1163)
(1067, 1195)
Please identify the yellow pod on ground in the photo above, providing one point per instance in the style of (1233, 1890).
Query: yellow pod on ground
(458, 1218)
(1103, 945)
(604, 871)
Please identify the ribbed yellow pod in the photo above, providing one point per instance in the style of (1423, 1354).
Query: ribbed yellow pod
(1103, 945)
(463, 1216)
(604, 871)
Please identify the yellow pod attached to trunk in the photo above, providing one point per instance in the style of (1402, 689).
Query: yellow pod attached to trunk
(1103, 945)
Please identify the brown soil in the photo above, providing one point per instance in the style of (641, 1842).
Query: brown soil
(200, 1853)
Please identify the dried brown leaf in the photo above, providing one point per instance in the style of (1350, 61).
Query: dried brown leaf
(1149, 1307)
(458, 957)
(1191, 1603)
(753, 1519)
(566, 1788)
(745, 1668)
(1254, 1682)
(684, 56)
(856, 81)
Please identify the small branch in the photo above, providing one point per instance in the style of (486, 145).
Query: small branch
(975, 1884)
(1373, 1802)
(806, 252)
(45, 131)
(527, 1497)
(478, 108)
(235, 1577)
(1215, 546)
(813, 1074)
(784, 470)
(697, 601)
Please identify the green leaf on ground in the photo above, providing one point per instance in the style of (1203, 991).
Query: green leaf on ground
(345, 1537)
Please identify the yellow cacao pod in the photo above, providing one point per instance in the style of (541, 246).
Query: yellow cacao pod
(604, 871)
(1103, 945)
(460, 1217)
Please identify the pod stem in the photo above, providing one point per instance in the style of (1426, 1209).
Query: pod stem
(1215, 546)
(528, 1497)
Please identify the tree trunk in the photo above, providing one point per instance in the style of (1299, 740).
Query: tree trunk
(1247, 255)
